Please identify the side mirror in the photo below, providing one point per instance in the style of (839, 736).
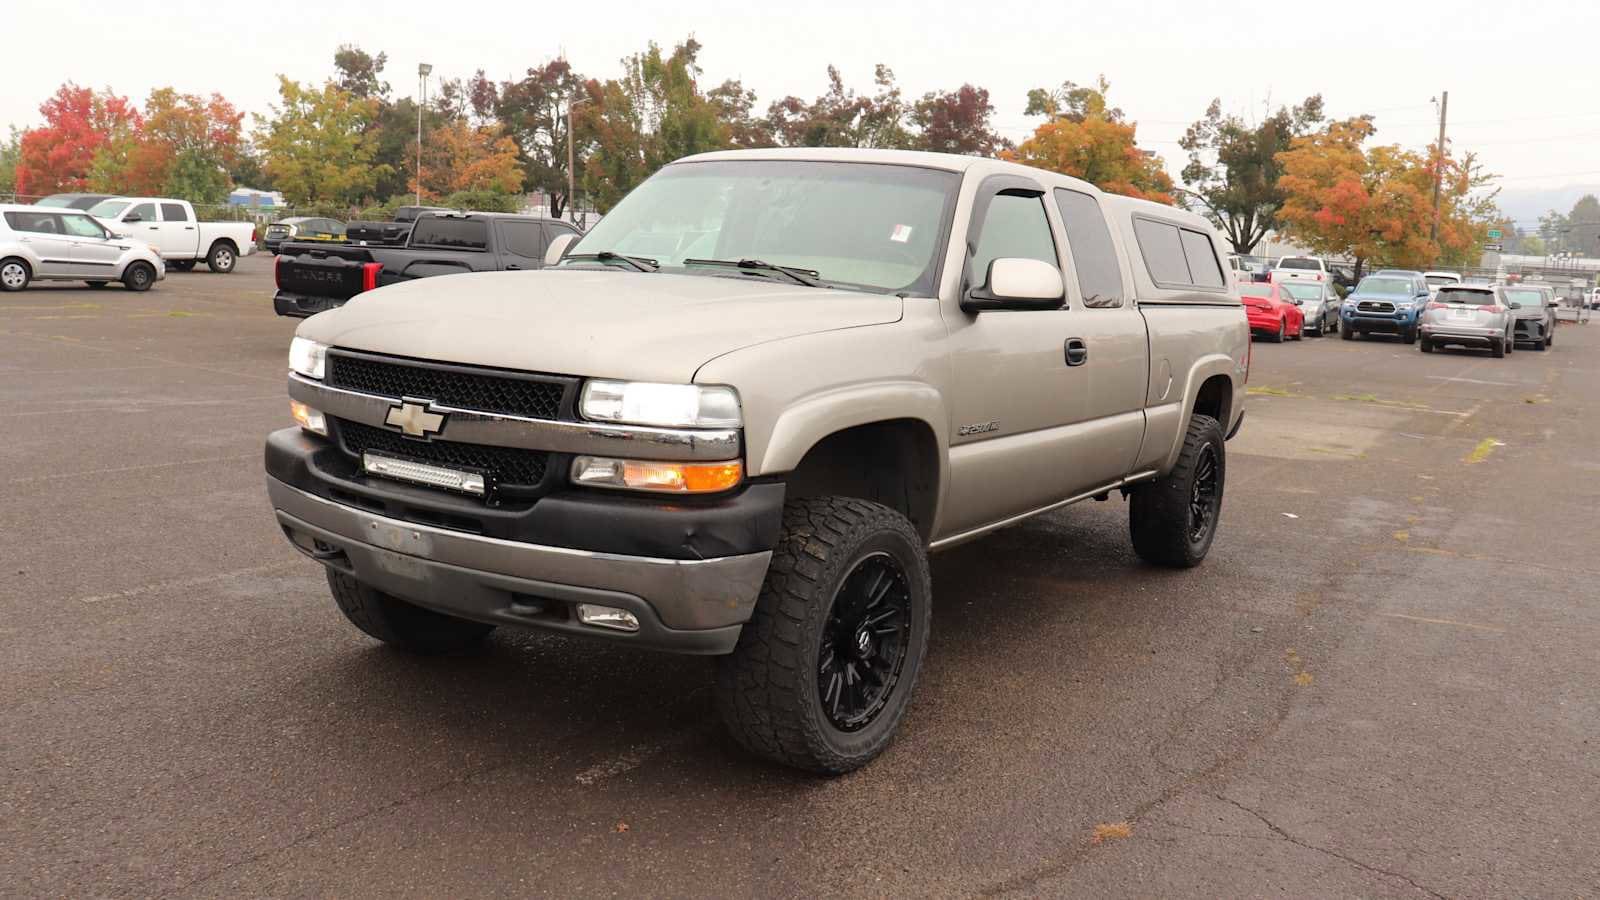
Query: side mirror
(132, 219)
(1516, 305)
(558, 247)
(1017, 283)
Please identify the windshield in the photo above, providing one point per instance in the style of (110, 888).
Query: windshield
(1303, 291)
(109, 209)
(1436, 280)
(1468, 296)
(1299, 262)
(58, 200)
(1400, 286)
(1255, 289)
(863, 225)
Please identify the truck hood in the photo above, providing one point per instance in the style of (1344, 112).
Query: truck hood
(612, 324)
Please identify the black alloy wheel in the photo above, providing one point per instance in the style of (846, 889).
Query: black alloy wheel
(864, 642)
(1203, 500)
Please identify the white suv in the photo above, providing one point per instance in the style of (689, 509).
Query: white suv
(48, 244)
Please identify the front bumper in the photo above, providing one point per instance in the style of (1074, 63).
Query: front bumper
(301, 306)
(689, 572)
(1386, 323)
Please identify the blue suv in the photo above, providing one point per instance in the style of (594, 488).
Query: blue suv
(1389, 301)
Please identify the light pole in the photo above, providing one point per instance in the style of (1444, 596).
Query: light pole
(571, 178)
(423, 70)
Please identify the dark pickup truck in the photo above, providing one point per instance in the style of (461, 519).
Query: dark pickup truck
(390, 232)
(313, 277)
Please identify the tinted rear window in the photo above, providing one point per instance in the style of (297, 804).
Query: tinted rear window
(1436, 280)
(1469, 297)
(1093, 254)
(457, 234)
(1299, 262)
(1162, 251)
(174, 212)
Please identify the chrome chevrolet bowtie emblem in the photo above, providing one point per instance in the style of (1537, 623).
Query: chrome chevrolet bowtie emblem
(414, 419)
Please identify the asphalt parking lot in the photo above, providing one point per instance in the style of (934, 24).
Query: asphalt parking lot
(1383, 682)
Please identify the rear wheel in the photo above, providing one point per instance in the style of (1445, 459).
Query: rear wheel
(401, 624)
(1427, 346)
(1498, 349)
(221, 259)
(14, 274)
(1173, 520)
(824, 670)
(1283, 329)
(139, 276)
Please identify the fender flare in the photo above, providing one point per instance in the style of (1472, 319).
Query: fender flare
(1205, 368)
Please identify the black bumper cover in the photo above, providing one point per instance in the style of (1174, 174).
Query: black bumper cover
(746, 521)
(302, 306)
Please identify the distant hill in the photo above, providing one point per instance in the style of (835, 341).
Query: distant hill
(1527, 204)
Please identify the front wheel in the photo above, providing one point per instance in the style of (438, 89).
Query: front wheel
(1348, 334)
(1410, 336)
(221, 259)
(823, 672)
(139, 276)
(401, 624)
(1173, 520)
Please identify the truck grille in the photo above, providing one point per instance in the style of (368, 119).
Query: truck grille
(529, 396)
(1375, 306)
(508, 467)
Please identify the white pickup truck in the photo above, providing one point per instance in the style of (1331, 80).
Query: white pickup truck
(1299, 268)
(171, 228)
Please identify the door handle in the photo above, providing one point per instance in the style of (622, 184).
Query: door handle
(188, 228)
(1077, 351)
(513, 267)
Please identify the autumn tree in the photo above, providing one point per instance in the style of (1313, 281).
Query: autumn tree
(735, 105)
(186, 148)
(1086, 138)
(78, 122)
(958, 121)
(315, 145)
(534, 113)
(1232, 174)
(360, 73)
(645, 119)
(1467, 208)
(843, 118)
(459, 156)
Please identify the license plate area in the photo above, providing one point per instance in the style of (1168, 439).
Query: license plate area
(1463, 314)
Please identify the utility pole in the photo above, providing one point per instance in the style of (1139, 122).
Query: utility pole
(572, 214)
(1438, 165)
(423, 69)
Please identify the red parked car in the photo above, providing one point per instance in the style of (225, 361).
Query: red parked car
(1272, 312)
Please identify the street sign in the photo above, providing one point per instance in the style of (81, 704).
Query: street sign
(1496, 234)
(1493, 248)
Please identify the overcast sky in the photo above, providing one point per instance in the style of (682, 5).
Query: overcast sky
(1524, 79)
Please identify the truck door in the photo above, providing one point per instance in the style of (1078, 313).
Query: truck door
(1116, 349)
(179, 237)
(1013, 394)
(142, 223)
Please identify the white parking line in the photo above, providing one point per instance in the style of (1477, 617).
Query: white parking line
(189, 582)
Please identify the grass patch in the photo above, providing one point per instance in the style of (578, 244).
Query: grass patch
(1482, 451)
(1264, 391)
(180, 314)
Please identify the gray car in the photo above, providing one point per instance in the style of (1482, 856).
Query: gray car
(1468, 315)
(1319, 304)
(1533, 308)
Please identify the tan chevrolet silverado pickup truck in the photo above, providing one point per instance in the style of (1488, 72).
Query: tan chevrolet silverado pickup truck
(735, 418)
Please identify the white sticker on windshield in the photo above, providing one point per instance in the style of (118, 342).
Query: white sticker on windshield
(901, 234)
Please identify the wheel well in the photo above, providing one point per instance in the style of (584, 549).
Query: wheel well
(20, 260)
(227, 242)
(1215, 399)
(895, 462)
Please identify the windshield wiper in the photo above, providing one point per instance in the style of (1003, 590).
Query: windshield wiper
(639, 263)
(807, 277)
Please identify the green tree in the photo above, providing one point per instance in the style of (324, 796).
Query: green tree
(843, 118)
(1583, 226)
(649, 117)
(360, 73)
(1233, 170)
(533, 112)
(10, 155)
(1531, 245)
(316, 147)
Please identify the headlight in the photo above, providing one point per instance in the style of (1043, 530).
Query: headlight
(308, 358)
(661, 405)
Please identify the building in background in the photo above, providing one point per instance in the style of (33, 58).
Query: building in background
(243, 196)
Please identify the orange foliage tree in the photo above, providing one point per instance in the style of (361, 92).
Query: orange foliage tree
(459, 156)
(1087, 139)
(1343, 200)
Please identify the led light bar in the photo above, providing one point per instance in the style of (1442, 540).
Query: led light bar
(420, 473)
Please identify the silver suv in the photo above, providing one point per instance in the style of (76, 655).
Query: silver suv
(1468, 315)
(49, 244)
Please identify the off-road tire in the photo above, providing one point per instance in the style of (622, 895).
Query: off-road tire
(1158, 514)
(767, 689)
(16, 274)
(401, 624)
(139, 276)
(222, 258)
